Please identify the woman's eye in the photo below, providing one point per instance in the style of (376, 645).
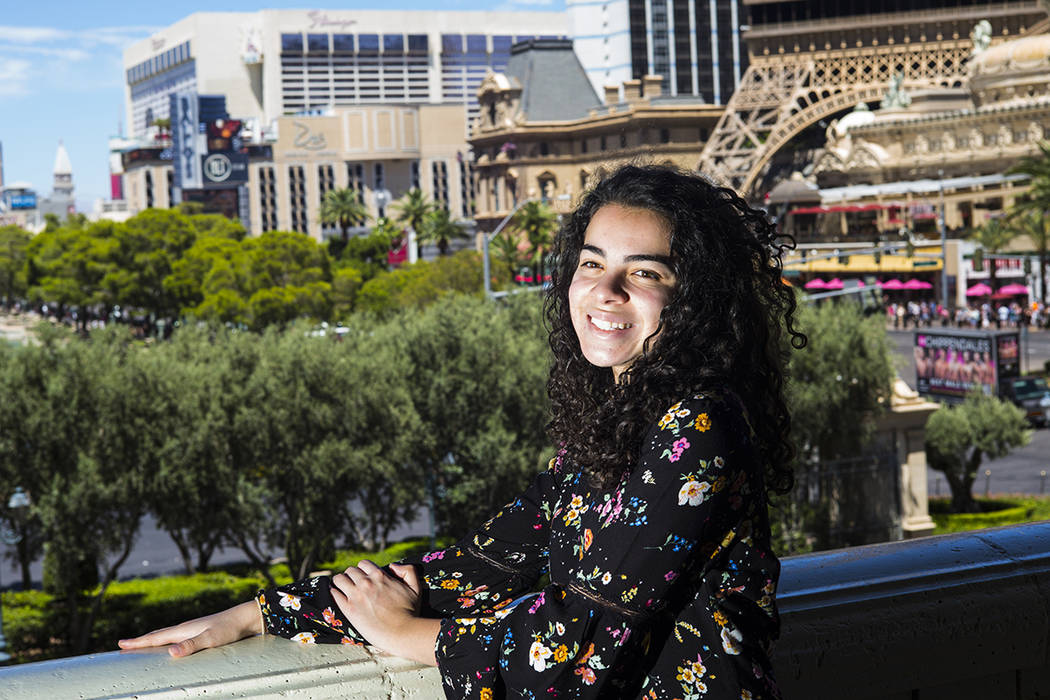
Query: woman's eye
(590, 264)
(648, 274)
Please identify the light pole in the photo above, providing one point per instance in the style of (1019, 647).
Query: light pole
(17, 504)
(486, 237)
(944, 243)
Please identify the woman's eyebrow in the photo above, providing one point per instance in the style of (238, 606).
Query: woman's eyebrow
(640, 257)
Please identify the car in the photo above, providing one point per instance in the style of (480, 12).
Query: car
(1032, 395)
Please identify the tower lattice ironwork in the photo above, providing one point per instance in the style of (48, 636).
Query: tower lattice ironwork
(803, 72)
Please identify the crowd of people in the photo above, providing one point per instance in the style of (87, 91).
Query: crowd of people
(993, 314)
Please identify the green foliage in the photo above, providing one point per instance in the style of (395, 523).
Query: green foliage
(840, 383)
(440, 229)
(343, 207)
(13, 244)
(477, 373)
(33, 622)
(538, 222)
(421, 283)
(989, 513)
(993, 236)
(959, 437)
(413, 209)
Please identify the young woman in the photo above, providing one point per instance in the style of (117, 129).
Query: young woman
(668, 324)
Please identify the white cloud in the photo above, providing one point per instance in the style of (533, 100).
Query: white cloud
(31, 35)
(45, 58)
(14, 74)
(531, 2)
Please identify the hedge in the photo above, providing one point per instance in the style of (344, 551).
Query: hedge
(34, 621)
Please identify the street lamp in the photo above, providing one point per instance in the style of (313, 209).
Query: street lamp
(486, 237)
(944, 243)
(17, 504)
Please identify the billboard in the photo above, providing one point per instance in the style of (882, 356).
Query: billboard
(187, 141)
(952, 364)
(22, 201)
(224, 169)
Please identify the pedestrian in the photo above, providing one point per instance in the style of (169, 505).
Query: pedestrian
(667, 316)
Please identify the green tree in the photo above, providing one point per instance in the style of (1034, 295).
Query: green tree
(315, 433)
(13, 244)
(1037, 167)
(421, 283)
(959, 437)
(343, 208)
(993, 236)
(477, 373)
(414, 209)
(440, 229)
(505, 247)
(68, 266)
(538, 222)
(840, 383)
(1033, 224)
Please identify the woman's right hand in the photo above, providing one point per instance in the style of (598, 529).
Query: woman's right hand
(224, 627)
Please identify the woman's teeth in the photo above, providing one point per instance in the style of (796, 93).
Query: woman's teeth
(608, 326)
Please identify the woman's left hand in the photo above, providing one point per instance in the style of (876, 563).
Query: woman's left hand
(385, 609)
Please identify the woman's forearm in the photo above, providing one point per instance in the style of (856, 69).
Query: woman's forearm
(415, 639)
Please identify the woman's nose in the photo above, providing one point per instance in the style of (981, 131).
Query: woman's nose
(610, 288)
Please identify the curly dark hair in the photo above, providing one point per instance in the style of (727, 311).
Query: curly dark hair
(723, 327)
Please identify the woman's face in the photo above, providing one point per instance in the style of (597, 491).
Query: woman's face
(622, 282)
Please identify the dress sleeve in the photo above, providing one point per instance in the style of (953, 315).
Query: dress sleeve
(479, 574)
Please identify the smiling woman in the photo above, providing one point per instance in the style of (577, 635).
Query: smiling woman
(667, 316)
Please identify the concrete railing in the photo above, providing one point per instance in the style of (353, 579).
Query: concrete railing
(957, 616)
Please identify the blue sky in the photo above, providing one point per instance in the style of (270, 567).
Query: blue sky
(61, 74)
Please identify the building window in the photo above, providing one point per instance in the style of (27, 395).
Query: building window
(665, 136)
(415, 174)
(379, 184)
(623, 139)
(149, 190)
(171, 185)
(267, 199)
(545, 148)
(602, 143)
(317, 43)
(342, 43)
(355, 180)
(297, 197)
(467, 188)
(583, 145)
(292, 43)
(439, 173)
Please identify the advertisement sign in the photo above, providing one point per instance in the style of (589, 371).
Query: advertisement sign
(951, 364)
(224, 169)
(187, 141)
(23, 201)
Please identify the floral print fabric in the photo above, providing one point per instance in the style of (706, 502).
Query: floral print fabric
(661, 587)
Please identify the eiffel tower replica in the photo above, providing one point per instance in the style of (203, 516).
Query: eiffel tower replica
(804, 69)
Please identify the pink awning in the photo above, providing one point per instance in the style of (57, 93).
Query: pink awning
(917, 284)
(979, 290)
(816, 283)
(893, 284)
(1013, 289)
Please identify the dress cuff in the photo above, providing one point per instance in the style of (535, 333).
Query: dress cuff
(305, 612)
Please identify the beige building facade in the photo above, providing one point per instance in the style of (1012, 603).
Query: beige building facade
(380, 151)
(528, 150)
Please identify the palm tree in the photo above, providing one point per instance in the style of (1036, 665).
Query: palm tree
(441, 229)
(538, 221)
(343, 208)
(505, 246)
(1033, 223)
(1038, 169)
(1031, 211)
(993, 236)
(413, 209)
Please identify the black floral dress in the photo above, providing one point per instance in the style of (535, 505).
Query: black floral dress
(662, 587)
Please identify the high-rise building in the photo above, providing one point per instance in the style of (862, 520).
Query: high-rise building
(277, 62)
(694, 45)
